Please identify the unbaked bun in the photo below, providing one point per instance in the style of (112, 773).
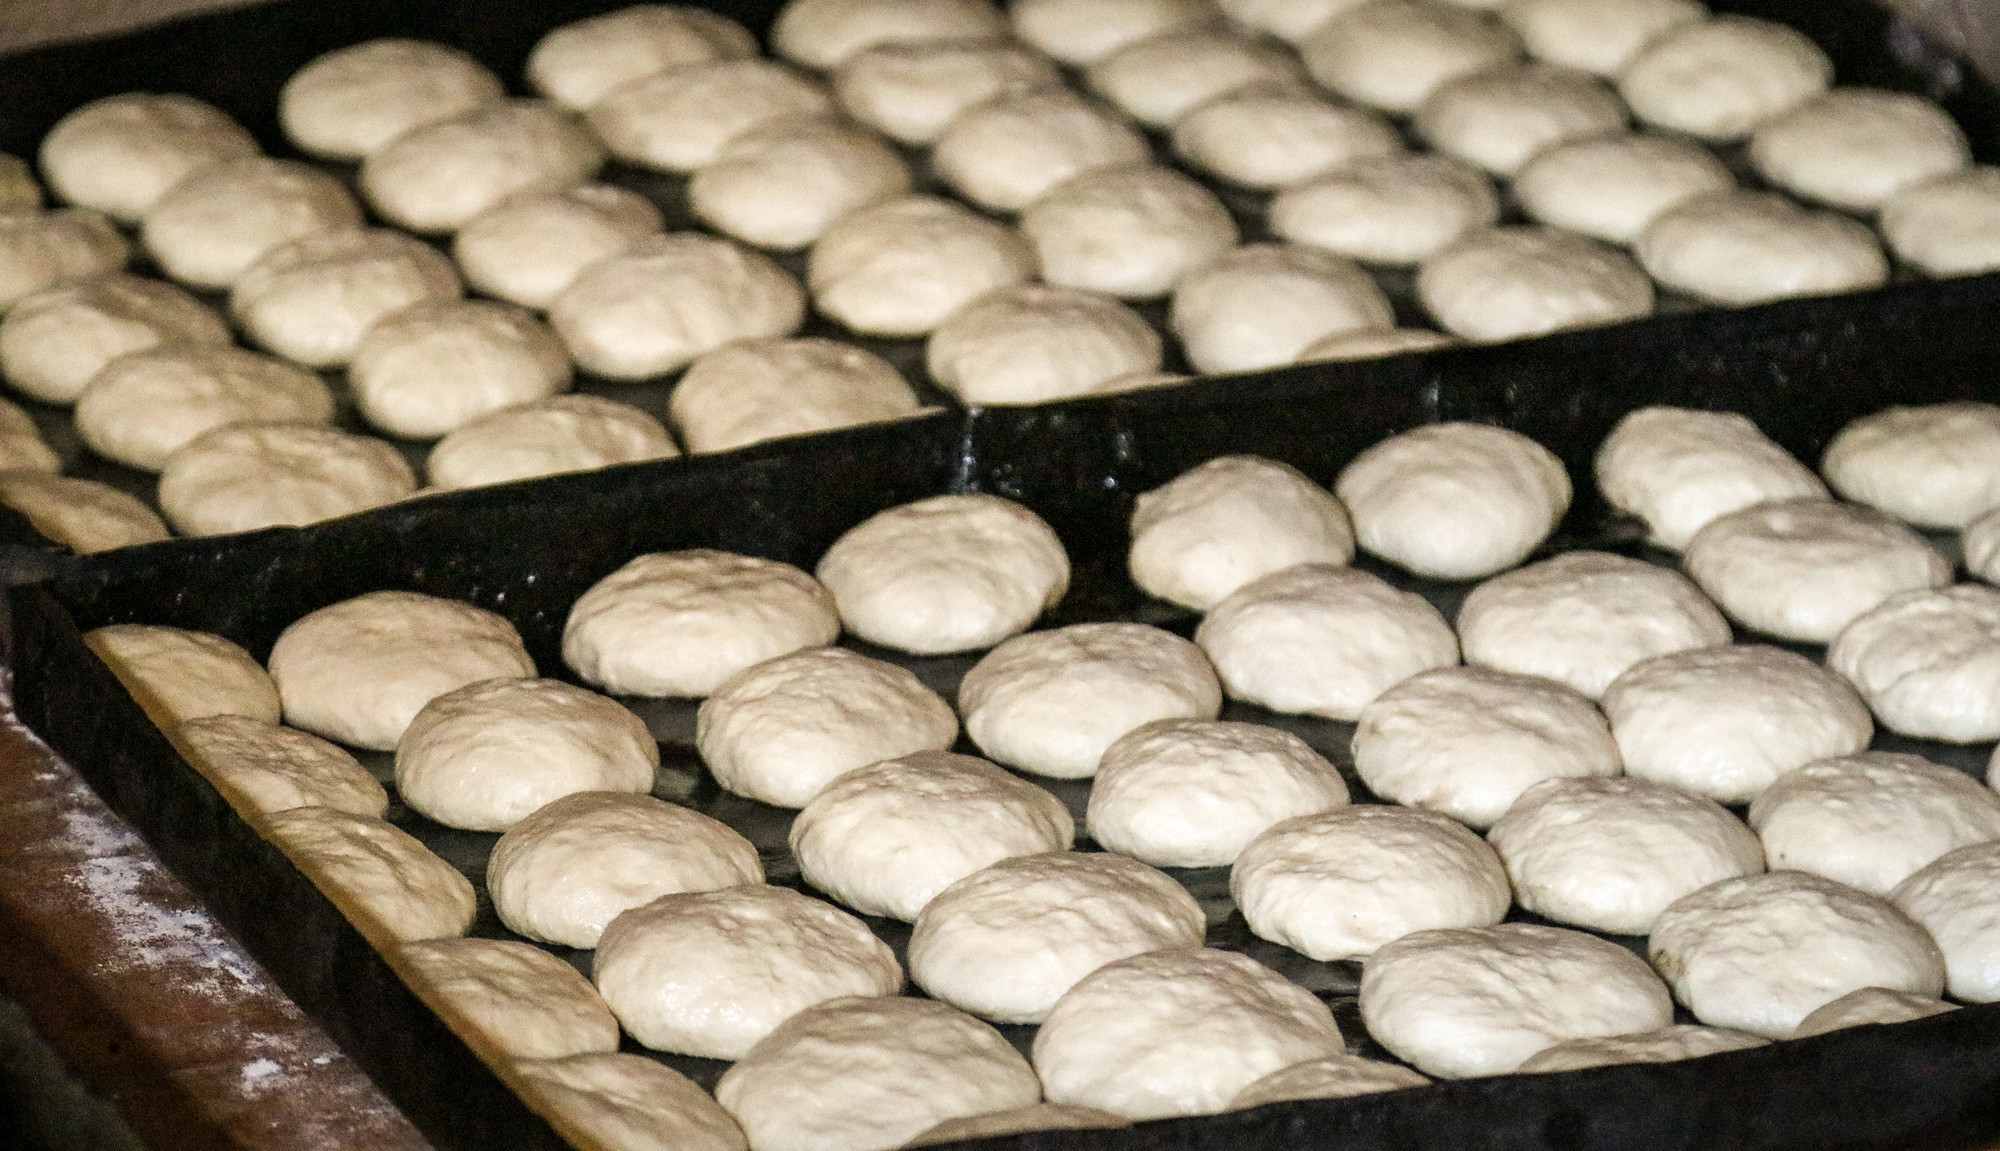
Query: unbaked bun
(1079, 32)
(120, 154)
(351, 101)
(146, 405)
(84, 516)
(1231, 520)
(1928, 662)
(1390, 210)
(900, 267)
(216, 223)
(1500, 117)
(530, 248)
(53, 343)
(578, 63)
(680, 120)
(439, 177)
(824, 34)
(1260, 305)
(1594, 35)
(1274, 136)
(1720, 78)
(241, 477)
(1679, 468)
(1158, 80)
(1853, 148)
(1932, 465)
(1948, 226)
(755, 390)
(1611, 187)
(1871, 819)
(1506, 283)
(910, 92)
(1130, 232)
(40, 250)
(313, 299)
(1392, 54)
(546, 437)
(1035, 343)
(1008, 152)
(1743, 247)
(784, 182)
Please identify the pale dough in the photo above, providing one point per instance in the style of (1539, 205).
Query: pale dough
(1506, 283)
(1034, 343)
(824, 34)
(1131, 232)
(260, 767)
(1273, 136)
(909, 92)
(1373, 343)
(1328, 1077)
(1720, 78)
(626, 1103)
(1080, 32)
(1234, 519)
(21, 445)
(1158, 80)
(1980, 541)
(1932, 465)
(1679, 468)
(1949, 226)
(385, 882)
(579, 63)
(1667, 1045)
(559, 434)
(1744, 247)
(1928, 662)
(899, 268)
(1289, 20)
(432, 368)
(312, 300)
(783, 183)
(1594, 35)
(120, 154)
(53, 343)
(1611, 187)
(1853, 148)
(1007, 152)
(440, 177)
(530, 248)
(241, 477)
(1259, 306)
(755, 390)
(212, 226)
(18, 190)
(145, 405)
(1016, 1120)
(1871, 819)
(1392, 54)
(351, 101)
(1499, 118)
(509, 997)
(82, 515)
(679, 121)
(1953, 897)
(1871, 1005)
(179, 675)
(39, 250)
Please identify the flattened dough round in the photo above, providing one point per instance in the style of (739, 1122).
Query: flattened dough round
(122, 153)
(1392, 54)
(1391, 210)
(826, 33)
(579, 63)
(387, 884)
(783, 183)
(1501, 117)
(1008, 152)
(1678, 468)
(1130, 232)
(1954, 898)
(1744, 247)
(1261, 305)
(546, 437)
(1928, 662)
(1328, 1077)
(39, 250)
(1507, 283)
(313, 299)
(53, 343)
(519, 1000)
(1611, 187)
(1081, 31)
(1720, 78)
(1853, 148)
(1871, 1005)
(241, 477)
(440, 177)
(755, 390)
(178, 675)
(1234, 519)
(146, 405)
(1871, 819)
(1274, 136)
(679, 121)
(212, 226)
(1932, 465)
(1595, 35)
(83, 515)
(1158, 80)
(900, 267)
(351, 101)
(910, 92)
(531, 247)
(260, 767)
(1948, 226)
(429, 369)
(1033, 343)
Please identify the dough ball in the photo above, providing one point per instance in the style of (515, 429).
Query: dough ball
(1008, 941)
(1611, 187)
(1928, 662)
(358, 671)
(783, 183)
(509, 997)
(755, 390)
(53, 343)
(1805, 569)
(1130, 232)
(1853, 148)
(179, 675)
(18, 190)
(385, 882)
(120, 154)
(710, 973)
(1500, 117)
(1393, 210)
(1871, 819)
(1948, 226)
(1469, 1001)
(1194, 793)
(1933, 465)
(900, 267)
(353, 100)
(1392, 54)
(1328, 1077)
(1667, 1045)
(530, 248)
(681, 120)
(313, 299)
(667, 299)
(1343, 883)
(1980, 541)
(1018, 1120)
(1454, 500)
(21, 445)
(886, 838)
(680, 623)
(84, 516)
(241, 477)
(440, 177)
(1583, 617)
(1678, 468)
(626, 1103)
(825, 34)
(1081, 32)
(1231, 520)
(781, 730)
(1269, 136)
(547, 437)
(1177, 1031)
(260, 767)
(213, 225)
(1746, 247)
(431, 368)
(579, 63)
(39, 250)
(1259, 306)
(910, 91)
(945, 574)
(1870, 1005)
(1594, 35)
(1158, 80)
(1506, 283)
(1611, 854)
(1007, 152)
(872, 1074)
(1954, 898)
(1720, 78)
(1318, 639)
(574, 864)
(146, 405)
(1034, 343)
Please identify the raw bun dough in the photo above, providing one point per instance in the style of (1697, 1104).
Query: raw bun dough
(547, 437)
(21, 445)
(1006, 942)
(1034, 343)
(1500, 117)
(681, 120)
(1507, 283)
(530, 248)
(146, 405)
(84, 516)
(886, 838)
(680, 623)
(1158, 80)
(1177, 1031)
(945, 574)
(1743, 247)
(39, 250)
(1269, 136)
(1871, 1005)
(122, 153)
(1392, 54)
(1018, 1120)
(1949, 226)
(1720, 78)
(1328, 1077)
(1953, 897)
(711, 973)
(1234, 519)
(1726, 721)
(18, 190)
(783, 183)
(432, 368)
(910, 92)
(1928, 662)
(1318, 639)
(1871, 819)
(359, 670)
(351, 101)
(667, 299)
(626, 1103)
(872, 1074)
(1678, 468)
(1594, 35)
(213, 225)
(1390, 210)
(1933, 465)
(755, 390)
(1080, 32)
(1261, 305)
(825, 34)
(260, 767)
(572, 866)
(509, 998)
(1611, 187)
(1454, 500)
(1467, 741)
(179, 675)
(1470, 1001)
(385, 882)
(242, 477)
(899, 268)
(1007, 152)
(1346, 882)
(1805, 569)
(1130, 232)
(579, 63)
(1610, 854)
(1760, 953)
(1667, 1045)
(313, 299)
(53, 343)
(440, 177)
(1853, 148)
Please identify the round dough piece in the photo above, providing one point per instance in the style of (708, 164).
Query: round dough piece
(1726, 721)
(1231, 520)
(1130, 232)
(1933, 465)
(146, 405)
(1667, 1045)
(260, 767)
(1318, 639)
(18, 190)
(579, 63)
(825, 34)
(1467, 1001)
(358, 671)
(1953, 897)
(432, 368)
(122, 153)
(1270, 136)
(1805, 569)
(1394, 210)
(1928, 662)
(530, 248)
(179, 675)
(39, 250)
(1081, 32)
(1392, 54)
(1343, 883)
(313, 299)
(440, 177)
(1018, 1120)
(1034, 343)
(1177, 1031)
(898, 268)
(21, 445)
(710, 973)
(1871, 819)
(872, 1074)
(784, 182)
(84, 516)
(53, 343)
(1328, 1077)
(1594, 35)
(667, 299)
(1261, 305)
(1454, 500)
(1006, 942)
(242, 477)
(381, 878)
(547, 437)
(1507, 283)
(353, 100)
(1158, 80)
(681, 120)
(626, 1103)
(1871, 1005)
(1611, 187)
(755, 390)
(572, 866)
(781, 730)
(1678, 468)
(909, 92)
(213, 225)
(1500, 117)
(1007, 152)
(680, 623)
(1948, 226)
(1745, 247)
(1720, 78)
(1853, 148)
(511, 998)
(886, 838)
